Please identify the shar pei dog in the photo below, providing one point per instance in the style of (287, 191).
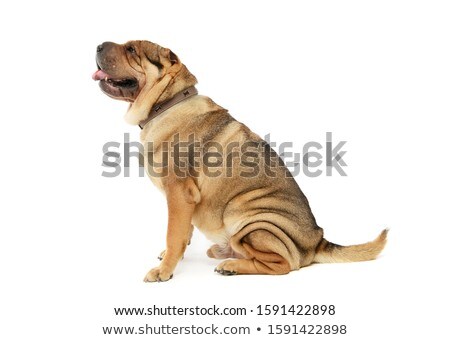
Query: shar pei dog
(215, 173)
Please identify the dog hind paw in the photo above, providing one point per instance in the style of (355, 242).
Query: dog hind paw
(227, 268)
(225, 272)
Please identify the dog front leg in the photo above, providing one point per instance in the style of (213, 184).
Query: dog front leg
(182, 196)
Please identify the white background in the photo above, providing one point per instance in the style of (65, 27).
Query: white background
(74, 244)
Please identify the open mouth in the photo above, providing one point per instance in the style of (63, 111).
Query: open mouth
(104, 77)
(117, 88)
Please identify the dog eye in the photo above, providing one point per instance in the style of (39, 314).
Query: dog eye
(131, 49)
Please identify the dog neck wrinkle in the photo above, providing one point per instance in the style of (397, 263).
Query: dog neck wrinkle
(181, 80)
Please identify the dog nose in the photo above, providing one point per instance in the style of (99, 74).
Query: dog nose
(105, 47)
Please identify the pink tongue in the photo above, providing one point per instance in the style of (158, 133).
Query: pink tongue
(99, 75)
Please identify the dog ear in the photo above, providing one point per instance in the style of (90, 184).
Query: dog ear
(173, 58)
(168, 54)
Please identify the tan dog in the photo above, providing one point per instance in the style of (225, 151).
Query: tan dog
(240, 194)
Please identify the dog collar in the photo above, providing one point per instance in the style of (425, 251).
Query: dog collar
(160, 108)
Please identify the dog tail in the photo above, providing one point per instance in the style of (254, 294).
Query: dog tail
(327, 252)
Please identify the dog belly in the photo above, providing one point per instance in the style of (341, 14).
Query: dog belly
(219, 236)
(216, 230)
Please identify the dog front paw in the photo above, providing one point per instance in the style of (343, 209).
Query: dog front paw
(158, 274)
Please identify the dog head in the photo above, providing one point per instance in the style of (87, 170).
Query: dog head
(141, 73)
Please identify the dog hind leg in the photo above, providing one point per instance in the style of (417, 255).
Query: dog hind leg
(262, 256)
